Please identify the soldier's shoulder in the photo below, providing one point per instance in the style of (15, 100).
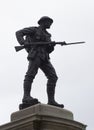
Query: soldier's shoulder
(31, 28)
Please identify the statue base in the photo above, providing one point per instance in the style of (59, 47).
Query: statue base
(43, 117)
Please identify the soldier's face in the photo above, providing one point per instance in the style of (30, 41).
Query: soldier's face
(47, 24)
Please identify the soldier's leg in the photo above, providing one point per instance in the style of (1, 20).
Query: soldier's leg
(29, 77)
(51, 75)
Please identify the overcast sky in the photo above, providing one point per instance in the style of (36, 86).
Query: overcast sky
(73, 21)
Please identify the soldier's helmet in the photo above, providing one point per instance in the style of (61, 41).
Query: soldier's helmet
(44, 19)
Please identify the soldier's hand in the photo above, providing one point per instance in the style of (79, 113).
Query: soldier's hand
(53, 43)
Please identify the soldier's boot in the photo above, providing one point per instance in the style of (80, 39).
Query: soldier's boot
(27, 89)
(51, 97)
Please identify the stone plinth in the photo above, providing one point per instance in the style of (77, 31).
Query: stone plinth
(43, 117)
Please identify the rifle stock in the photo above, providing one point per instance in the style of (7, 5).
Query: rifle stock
(18, 48)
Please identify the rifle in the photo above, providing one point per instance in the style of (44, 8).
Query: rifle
(18, 48)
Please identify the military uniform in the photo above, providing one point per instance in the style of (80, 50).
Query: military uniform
(38, 56)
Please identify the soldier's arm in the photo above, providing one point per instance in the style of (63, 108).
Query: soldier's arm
(21, 33)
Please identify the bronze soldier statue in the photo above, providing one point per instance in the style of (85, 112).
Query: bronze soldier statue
(38, 57)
